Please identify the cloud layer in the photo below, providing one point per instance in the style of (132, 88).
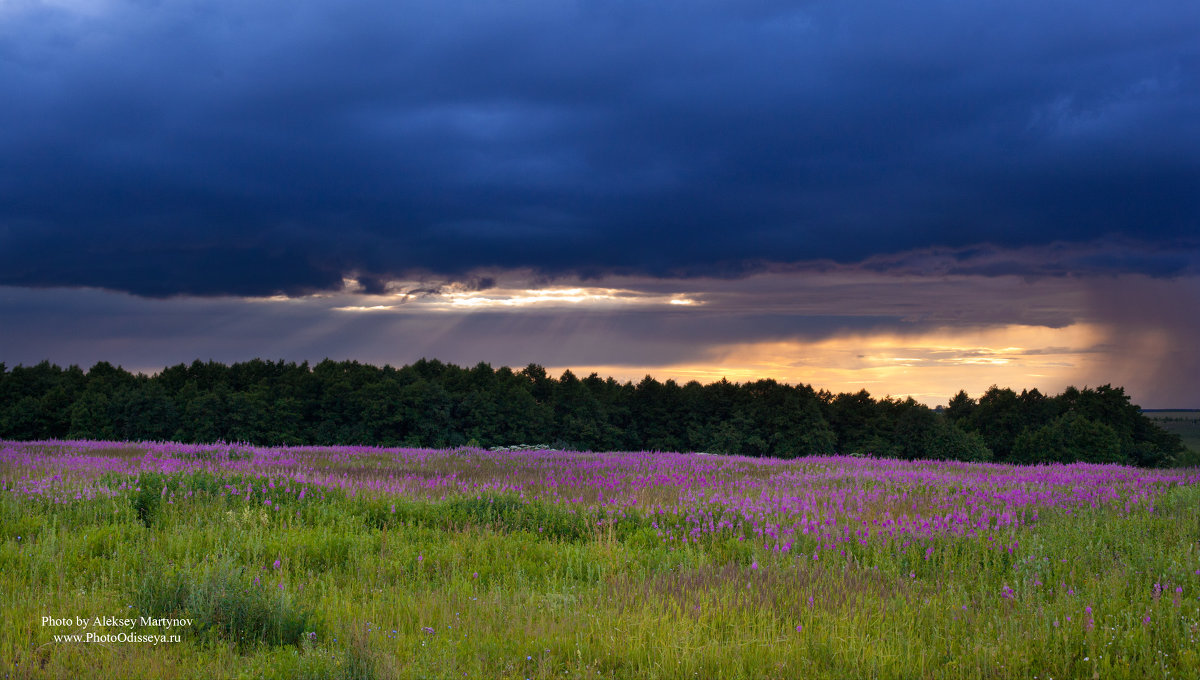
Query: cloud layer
(841, 330)
(220, 147)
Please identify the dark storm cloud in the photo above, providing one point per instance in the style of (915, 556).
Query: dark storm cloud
(1153, 330)
(635, 326)
(1131, 330)
(1100, 256)
(83, 327)
(249, 148)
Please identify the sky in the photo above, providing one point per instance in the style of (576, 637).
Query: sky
(909, 198)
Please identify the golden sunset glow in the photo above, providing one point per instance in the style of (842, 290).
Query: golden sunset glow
(415, 297)
(546, 296)
(835, 330)
(932, 366)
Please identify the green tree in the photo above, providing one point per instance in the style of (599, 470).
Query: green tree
(1068, 439)
(857, 423)
(90, 418)
(960, 407)
(997, 418)
(143, 411)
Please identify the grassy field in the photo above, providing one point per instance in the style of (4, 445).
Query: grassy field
(366, 563)
(1186, 424)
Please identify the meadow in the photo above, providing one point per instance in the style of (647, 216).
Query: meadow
(230, 561)
(1186, 424)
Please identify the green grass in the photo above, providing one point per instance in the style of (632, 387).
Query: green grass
(1186, 424)
(341, 587)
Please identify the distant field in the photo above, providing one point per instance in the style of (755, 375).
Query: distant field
(1184, 423)
(225, 561)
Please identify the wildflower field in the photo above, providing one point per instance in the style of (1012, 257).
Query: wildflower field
(230, 561)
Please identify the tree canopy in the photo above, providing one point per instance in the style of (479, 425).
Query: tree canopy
(433, 404)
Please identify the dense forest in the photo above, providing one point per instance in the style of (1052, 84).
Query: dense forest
(433, 404)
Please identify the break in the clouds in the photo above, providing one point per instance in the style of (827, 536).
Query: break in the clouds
(841, 329)
(225, 147)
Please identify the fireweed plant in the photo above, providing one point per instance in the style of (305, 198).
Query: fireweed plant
(356, 562)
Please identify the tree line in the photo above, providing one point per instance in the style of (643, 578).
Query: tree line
(434, 404)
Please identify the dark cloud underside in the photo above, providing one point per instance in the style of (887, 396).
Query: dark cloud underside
(249, 148)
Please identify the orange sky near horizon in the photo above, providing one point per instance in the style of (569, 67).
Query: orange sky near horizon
(930, 367)
(841, 331)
